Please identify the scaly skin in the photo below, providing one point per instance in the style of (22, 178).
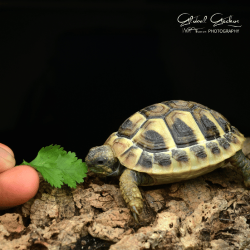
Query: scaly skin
(240, 161)
(129, 182)
(131, 193)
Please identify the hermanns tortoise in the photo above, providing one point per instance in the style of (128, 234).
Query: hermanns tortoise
(168, 142)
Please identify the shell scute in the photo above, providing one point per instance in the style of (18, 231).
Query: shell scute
(199, 105)
(111, 139)
(162, 163)
(222, 121)
(226, 148)
(198, 156)
(207, 123)
(131, 125)
(214, 147)
(179, 104)
(184, 129)
(145, 162)
(154, 136)
(181, 162)
(240, 137)
(120, 145)
(154, 110)
(199, 151)
(231, 138)
(202, 160)
(131, 156)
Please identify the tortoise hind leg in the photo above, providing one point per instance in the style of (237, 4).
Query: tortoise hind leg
(129, 182)
(240, 161)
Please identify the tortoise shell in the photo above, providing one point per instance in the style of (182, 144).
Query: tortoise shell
(175, 140)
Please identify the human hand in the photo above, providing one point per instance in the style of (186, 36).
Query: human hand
(17, 184)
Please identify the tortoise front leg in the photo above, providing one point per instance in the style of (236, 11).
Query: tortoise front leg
(240, 161)
(129, 182)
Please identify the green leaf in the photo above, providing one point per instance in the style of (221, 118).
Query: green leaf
(48, 155)
(73, 169)
(52, 175)
(58, 167)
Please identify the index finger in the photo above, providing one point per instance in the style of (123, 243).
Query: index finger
(7, 159)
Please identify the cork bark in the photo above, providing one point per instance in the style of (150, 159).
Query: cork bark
(210, 212)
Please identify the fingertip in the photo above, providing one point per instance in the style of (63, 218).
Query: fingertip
(32, 177)
(18, 185)
(7, 149)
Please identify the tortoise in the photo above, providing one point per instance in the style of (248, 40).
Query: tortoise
(168, 142)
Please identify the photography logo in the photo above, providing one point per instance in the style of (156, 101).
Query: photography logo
(216, 23)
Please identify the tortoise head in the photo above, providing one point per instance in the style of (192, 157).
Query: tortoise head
(102, 161)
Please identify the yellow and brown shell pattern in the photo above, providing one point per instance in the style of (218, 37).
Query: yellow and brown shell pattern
(175, 140)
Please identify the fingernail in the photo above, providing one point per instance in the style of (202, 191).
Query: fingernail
(6, 155)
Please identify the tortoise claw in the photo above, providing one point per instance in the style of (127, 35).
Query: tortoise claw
(135, 213)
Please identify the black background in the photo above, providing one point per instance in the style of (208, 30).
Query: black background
(73, 71)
